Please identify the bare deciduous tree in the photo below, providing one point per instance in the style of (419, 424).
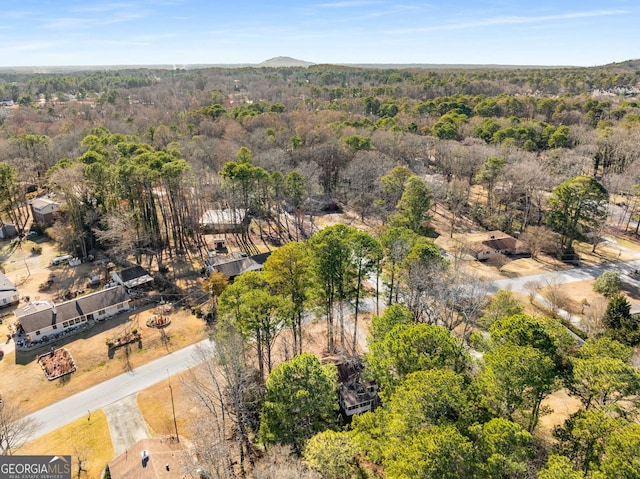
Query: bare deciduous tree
(280, 463)
(230, 391)
(539, 239)
(15, 429)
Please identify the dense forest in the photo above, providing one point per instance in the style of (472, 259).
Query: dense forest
(137, 156)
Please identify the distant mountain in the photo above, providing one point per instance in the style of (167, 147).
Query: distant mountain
(288, 62)
(283, 62)
(626, 65)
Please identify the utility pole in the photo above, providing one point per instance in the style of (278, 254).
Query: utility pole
(24, 258)
(173, 408)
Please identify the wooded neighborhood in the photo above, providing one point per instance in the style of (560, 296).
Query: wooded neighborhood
(335, 232)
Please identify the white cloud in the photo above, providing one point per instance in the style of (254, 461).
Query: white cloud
(508, 20)
(26, 47)
(68, 23)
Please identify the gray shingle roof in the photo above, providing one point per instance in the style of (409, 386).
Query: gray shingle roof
(35, 317)
(133, 272)
(6, 284)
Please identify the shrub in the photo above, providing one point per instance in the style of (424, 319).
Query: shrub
(608, 283)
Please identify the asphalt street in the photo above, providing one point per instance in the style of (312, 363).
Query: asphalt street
(108, 392)
(97, 397)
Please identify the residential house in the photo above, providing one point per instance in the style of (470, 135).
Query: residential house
(496, 243)
(355, 395)
(132, 277)
(44, 210)
(151, 458)
(227, 220)
(8, 292)
(43, 318)
(235, 264)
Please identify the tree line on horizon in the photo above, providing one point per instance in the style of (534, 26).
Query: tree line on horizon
(137, 156)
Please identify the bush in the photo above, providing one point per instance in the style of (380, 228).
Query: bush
(608, 283)
(36, 249)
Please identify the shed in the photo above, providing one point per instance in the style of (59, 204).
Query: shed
(7, 230)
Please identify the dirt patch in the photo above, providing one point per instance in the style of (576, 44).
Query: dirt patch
(605, 253)
(30, 272)
(561, 406)
(579, 299)
(347, 218)
(155, 406)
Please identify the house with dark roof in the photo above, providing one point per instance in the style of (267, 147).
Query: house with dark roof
(495, 243)
(132, 277)
(8, 292)
(44, 210)
(355, 395)
(235, 264)
(43, 318)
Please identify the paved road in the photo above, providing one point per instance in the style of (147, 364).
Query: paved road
(108, 392)
(562, 277)
(74, 407)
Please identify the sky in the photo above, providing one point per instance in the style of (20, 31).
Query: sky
(182, 32)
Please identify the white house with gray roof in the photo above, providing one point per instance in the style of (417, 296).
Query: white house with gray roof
(44, 318)
(8, 292)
